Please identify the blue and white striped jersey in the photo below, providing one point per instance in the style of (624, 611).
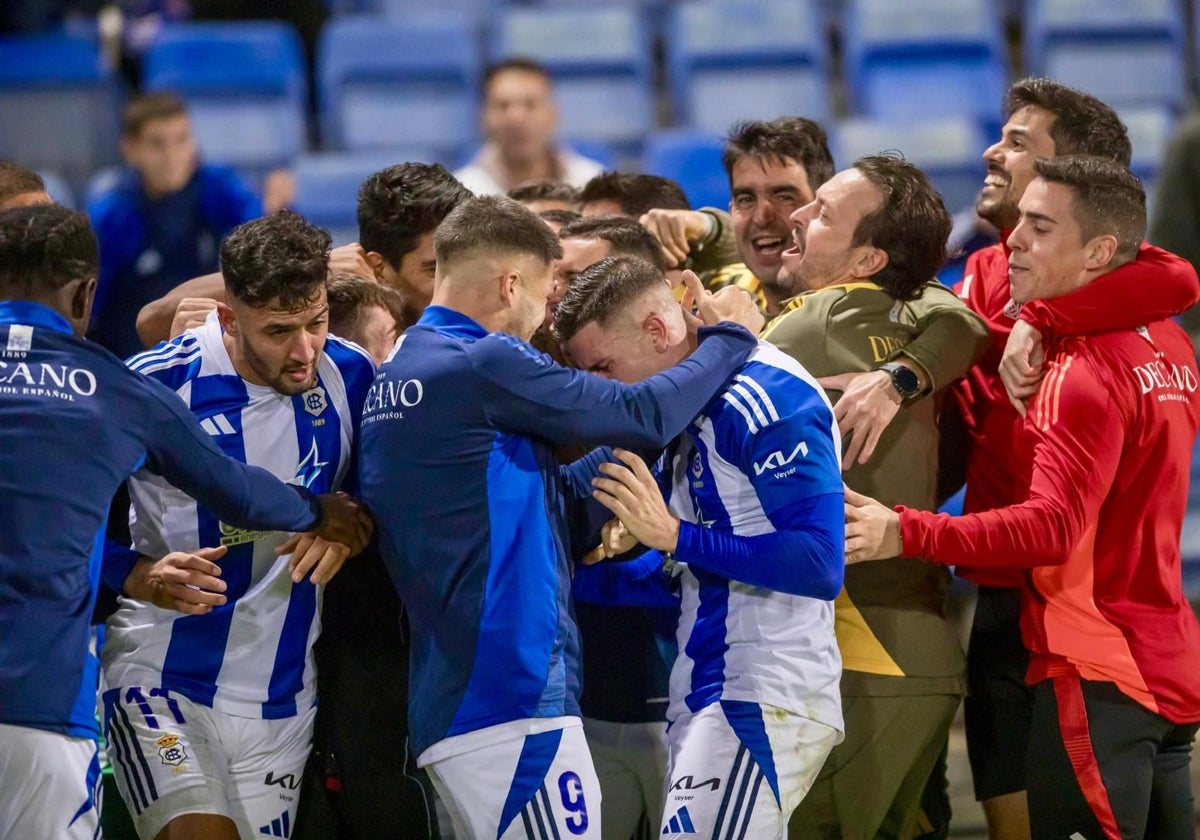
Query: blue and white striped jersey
(756, 483)
(251, 657)
(74, 423)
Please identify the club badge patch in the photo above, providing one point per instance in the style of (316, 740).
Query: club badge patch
(170, 750)
(314, 401)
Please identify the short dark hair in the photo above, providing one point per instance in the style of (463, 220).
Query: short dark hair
(544, 190)
(280, 259)
(600, 291)
(562, 218)
(349, 298)
(148, 108)
(635, 194)
(43, 248)
(400, 204)
(786, 138)
(624, 235)
(1108, 198)
(494, 224)
(1083, 125)
(520, 64)
(911, 225)
(17, 180)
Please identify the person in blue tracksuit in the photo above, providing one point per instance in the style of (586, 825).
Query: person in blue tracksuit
(456, 463)
(74, 424)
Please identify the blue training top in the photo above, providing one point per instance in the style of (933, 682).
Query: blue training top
(74, 424)
(457, 465)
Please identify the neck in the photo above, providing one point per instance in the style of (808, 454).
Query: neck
(543, 167)
(488, 317)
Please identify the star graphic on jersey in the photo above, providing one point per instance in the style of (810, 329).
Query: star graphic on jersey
(700, 520)
(308, 470)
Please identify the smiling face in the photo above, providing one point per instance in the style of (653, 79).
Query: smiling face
(766, 191)
(1049, 256)
(277, 347)
(1024, 139)
(822, 252)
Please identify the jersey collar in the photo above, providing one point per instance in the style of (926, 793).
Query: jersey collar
(34, 315)
(451, 322)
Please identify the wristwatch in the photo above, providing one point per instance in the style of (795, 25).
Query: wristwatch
(906, 383)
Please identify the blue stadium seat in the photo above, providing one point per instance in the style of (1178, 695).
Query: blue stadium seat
(600, 59)
(730, 60)
(1126, 52)
(1150, 129)
(948, 149)
(327, 186)
(244, 84)
(391, 83)
(478, 11)
(930, 57)
(693, 159)
(58, 105)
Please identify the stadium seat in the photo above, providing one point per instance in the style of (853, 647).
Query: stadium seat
(58, 105)
(600, 59)
(936, 58)
(327, 186)
(693, 159)
(730, 60)
(1150, 129)
(1126, 52)
(391, 83)
(948, 149)
(244, 84)
(479, 12)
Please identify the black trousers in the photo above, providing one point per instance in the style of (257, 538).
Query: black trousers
(1103, 766)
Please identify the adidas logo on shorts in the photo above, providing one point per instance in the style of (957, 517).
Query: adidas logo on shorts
(681, 823)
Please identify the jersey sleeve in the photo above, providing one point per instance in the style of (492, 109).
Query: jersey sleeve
(950, 336)
(116, 562)
(640, 582)
(241, 495)
(1157, 285)
(1080, 437)
(793, 467)
(527, 393)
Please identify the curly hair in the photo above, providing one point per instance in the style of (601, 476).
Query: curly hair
(400, 204)
(280, 260)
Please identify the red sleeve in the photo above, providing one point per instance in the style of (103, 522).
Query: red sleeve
(969, 289)
(1157, 285)
(1080, 438)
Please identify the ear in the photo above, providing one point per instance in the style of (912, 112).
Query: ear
(375, 260)
(225, 315)
(870, 262)
(1099, 252)
(508, 281)
(81, 301)
(656, 327)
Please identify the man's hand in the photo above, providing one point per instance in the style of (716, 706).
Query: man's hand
(315, 553)
(345, 521)
(632, 494)
(872, 529)
(1022, 367)
(279, 190)
(351, 259)
(186, 582)
(191, 312)
(675, 231)
(867, 404)
(614, 539)
(728, 304)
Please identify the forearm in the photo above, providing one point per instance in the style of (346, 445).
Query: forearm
(718, 249)
(805, 561)
(640, 582)
(155, 318)
(952, 339)
(116, 563)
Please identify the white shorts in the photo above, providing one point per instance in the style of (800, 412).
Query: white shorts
(172, 757)
(631, 763)
(49, 785)
(737, 769)
(539, 786)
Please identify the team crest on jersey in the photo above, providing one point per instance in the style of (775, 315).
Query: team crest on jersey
(170, 750)
(314, 401)
(1012, 309)
(697, 465)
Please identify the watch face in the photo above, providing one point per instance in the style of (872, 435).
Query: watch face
(905, 380)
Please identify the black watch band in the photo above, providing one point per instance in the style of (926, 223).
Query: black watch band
(904, 380)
